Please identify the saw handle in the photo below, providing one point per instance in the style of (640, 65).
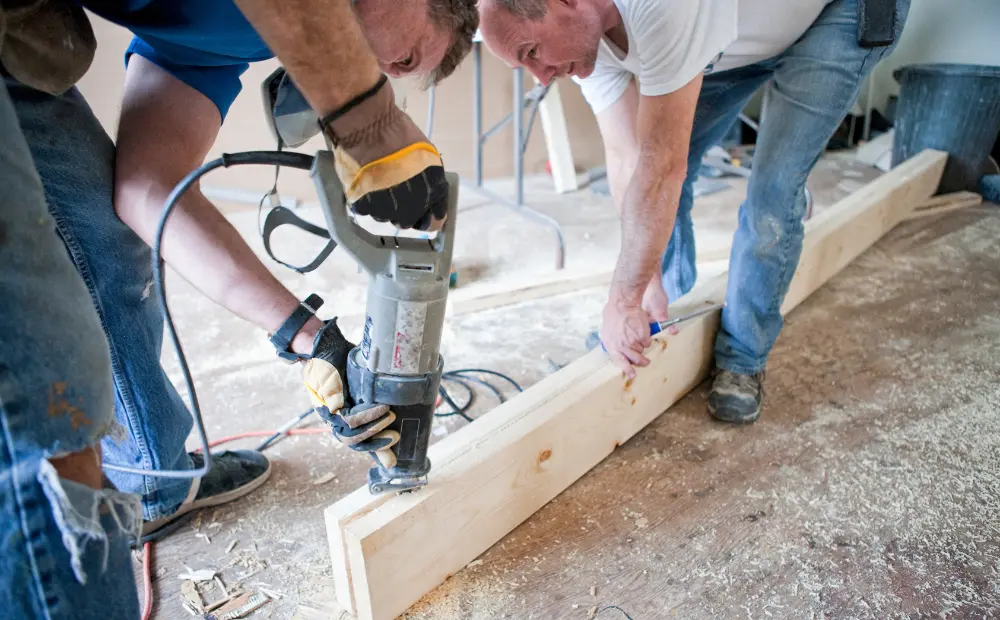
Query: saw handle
(374, 252)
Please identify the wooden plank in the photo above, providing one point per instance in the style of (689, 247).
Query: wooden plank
(490, 476)
(337, 517)
(946, 203)
(550, 109)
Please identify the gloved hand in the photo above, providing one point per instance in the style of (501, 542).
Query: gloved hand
(362, 427)
(406, 187)
(387, 166)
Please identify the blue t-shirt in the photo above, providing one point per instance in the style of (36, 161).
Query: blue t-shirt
(207, 44)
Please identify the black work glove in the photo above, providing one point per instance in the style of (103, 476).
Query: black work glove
(362, 427)
(407, 188)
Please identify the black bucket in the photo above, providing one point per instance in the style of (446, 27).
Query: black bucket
(948, 107)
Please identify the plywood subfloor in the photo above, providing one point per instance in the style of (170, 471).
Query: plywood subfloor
(869, 488)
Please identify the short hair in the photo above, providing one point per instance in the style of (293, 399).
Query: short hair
(460, 18)
(527, 9)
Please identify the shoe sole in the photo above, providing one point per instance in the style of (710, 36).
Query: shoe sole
(748, 420)
(216, 500)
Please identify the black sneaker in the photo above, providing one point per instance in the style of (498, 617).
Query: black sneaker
(736, 398)
(234, 474)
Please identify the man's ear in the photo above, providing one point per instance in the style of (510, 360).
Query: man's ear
(570, 4)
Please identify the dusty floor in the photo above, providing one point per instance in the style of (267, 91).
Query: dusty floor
(870, 488)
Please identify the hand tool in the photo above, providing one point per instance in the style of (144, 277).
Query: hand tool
(658, 326)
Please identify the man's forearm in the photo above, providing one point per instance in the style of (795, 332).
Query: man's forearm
(207, 251)
(648, 206)
(321, 45)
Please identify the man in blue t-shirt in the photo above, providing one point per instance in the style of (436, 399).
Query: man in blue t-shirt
(183, 70)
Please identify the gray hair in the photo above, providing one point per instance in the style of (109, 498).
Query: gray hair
(527, 9)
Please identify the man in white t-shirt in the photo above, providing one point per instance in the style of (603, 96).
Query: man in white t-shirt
(667, 79)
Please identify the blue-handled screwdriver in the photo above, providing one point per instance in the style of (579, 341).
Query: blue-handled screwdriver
(657, 327)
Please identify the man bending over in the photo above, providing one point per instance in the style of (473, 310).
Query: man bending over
(667, 79)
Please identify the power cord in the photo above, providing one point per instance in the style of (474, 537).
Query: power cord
(461, 377)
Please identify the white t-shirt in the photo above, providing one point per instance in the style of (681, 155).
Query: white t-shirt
(671, 41)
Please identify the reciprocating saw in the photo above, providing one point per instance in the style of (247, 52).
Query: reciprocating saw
(398, 362)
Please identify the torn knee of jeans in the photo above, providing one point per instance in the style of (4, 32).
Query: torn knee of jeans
(768, 235)
(79, 510)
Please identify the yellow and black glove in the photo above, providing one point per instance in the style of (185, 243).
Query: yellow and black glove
(362, 427)
(407, 188)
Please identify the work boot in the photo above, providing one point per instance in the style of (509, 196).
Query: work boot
(234, 473)
(736, 398)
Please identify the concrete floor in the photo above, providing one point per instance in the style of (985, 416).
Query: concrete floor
(870, 487)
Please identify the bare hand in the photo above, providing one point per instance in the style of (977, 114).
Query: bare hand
(625, 335)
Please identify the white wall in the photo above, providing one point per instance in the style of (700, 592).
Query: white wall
(952, 31)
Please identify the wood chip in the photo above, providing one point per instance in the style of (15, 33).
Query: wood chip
(233, 604)
(222, 587)
(231, 546)
(592, 611)
(474, 564)
(593, 590)
(324, 479)
(221, 602)
(191, 596)
(242, 607)
(205, 574)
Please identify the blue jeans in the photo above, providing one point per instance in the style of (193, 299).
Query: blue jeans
(816, 81)
(75, 159)
(64, 547)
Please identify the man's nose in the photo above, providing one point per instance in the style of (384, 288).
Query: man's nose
(543, 73)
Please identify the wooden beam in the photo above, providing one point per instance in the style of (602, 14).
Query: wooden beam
(490, 476)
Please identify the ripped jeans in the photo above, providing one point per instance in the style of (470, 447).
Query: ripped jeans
(64, 546)
(75, 159)
(814, 84)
